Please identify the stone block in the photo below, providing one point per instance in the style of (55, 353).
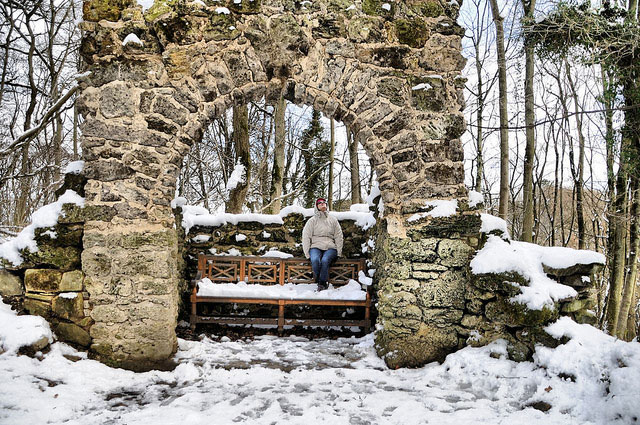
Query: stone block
(68, 306)
(72, 281)
(42, 280)
(514, 315)
(59, 257)
(69, 332)
(37, 307)
(576, 305)
(109, 313)
(10, 284)
(428, 344)
(444, 292)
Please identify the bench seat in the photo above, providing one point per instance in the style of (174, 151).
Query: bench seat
(276, 281)
(289, 291)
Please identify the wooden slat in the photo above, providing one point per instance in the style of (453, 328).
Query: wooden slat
(275, 271)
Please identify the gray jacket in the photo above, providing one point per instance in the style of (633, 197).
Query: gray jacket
(322, 231)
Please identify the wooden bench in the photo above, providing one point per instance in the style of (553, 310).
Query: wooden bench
(271, 271)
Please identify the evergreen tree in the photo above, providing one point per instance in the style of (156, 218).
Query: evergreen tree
(315, 153)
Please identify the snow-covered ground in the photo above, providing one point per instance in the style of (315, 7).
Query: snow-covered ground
(592, 379)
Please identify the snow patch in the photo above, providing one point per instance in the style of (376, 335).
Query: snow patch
(422, 86)
(132, 38)
(74, 167)
(492, 223)
(288, 291)
(526, 259)
(440, 208)
(20, 331)
(46, 216)
(222, 11)
(475, 198)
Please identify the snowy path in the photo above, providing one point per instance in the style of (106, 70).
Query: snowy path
(592, 379)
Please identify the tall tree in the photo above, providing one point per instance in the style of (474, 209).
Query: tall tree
(332, 150)
(238, 194)
(277, 172)
(529, 119)
(498, 20)
(354, 163)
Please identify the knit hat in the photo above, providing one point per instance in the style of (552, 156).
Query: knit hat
(319, 200)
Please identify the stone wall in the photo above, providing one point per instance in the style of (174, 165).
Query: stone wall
(389, 71)
(430, 304)
(50, 281)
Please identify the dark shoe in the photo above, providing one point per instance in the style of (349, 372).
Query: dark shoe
(322, 286)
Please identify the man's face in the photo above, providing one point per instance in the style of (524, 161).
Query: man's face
(322, 206)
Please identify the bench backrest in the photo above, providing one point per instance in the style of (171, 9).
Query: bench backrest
(272, 271)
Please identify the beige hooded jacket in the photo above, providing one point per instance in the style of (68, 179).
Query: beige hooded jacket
(322, 231)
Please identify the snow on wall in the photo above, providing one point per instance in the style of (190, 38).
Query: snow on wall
(47, 216)
(199, 216)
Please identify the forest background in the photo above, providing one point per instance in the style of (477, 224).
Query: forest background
(552, 106)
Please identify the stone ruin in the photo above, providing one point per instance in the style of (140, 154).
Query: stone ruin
(390, 71)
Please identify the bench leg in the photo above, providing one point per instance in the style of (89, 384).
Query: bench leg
(193, 318)
(367, 318)
(280, 316)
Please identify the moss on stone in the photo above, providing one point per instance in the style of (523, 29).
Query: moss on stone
(110, 10)
(42, 280)
(426, 345)
(68, 308)
(37, 307)
(220, 27)
(514, 314)
(374, 8)
(159, 8)
(63, 258)
(70, 332)
(247, 7)
(366, 28)
(427, 8)
(412, 32)
(447, 227)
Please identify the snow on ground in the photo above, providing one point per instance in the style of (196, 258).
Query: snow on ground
(592, 379)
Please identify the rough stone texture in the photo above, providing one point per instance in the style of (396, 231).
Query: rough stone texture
(72, 281)
(422, 283)
(42, 280)
(10, 284)
(70, 332)
(144, 106)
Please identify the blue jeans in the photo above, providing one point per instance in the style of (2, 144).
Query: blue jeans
(321, 261)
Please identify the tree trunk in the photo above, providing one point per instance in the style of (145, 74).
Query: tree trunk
(332, 152)
(529, 119)
(356, 196)
(479, 122)
(627, 308)
(277, 172)
(503, 209)
(237, 196)
(578, 180)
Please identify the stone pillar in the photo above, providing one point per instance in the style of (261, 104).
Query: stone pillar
(131, 277)
(422, 276)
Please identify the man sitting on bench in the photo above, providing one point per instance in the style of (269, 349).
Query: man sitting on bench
(322, 242)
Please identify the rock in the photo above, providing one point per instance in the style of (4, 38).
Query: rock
(69, 332)
(10, 284)
(42, 280)
(72, 281)
(68, 308)
(576, 269)
(38, 307)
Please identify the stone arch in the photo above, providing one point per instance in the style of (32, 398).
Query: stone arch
(391, 74)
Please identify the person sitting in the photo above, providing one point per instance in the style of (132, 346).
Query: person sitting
(322, 242)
